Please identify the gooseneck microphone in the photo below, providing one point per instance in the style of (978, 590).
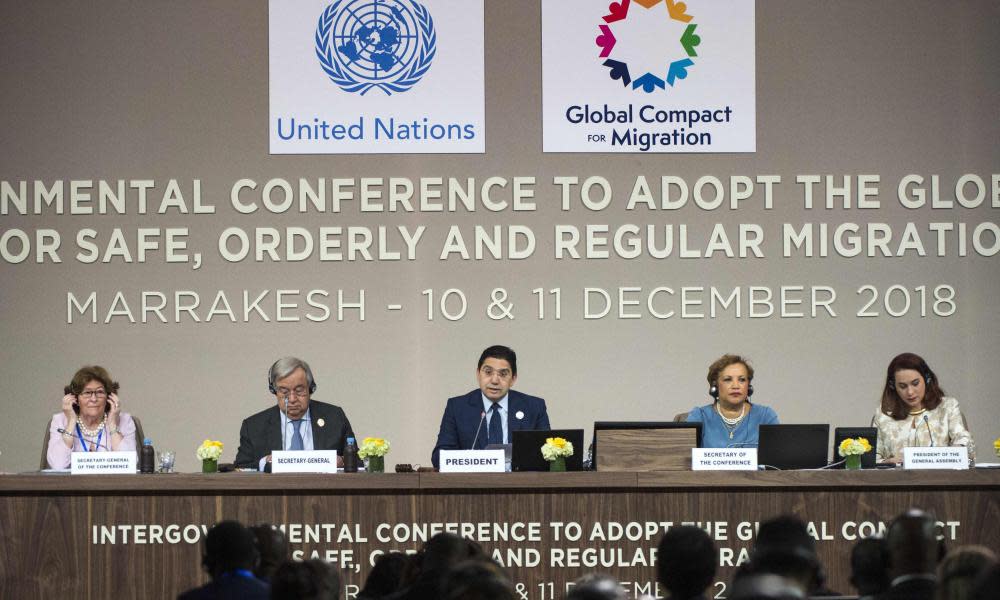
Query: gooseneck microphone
(94, 442)
(482, 417)
(930, 434)
(284, 422)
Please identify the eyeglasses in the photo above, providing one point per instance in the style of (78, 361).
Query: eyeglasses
(99, 394)
(298, 392)
(503, 374)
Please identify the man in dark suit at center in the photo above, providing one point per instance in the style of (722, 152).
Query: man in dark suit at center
(489, 414)
(308, 424)
(913, 556)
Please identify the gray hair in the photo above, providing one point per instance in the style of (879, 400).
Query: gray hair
(284, 367)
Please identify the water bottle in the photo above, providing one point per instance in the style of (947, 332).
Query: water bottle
(147, 457)
(351, 456)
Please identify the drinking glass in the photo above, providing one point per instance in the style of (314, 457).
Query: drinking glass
(166, 461)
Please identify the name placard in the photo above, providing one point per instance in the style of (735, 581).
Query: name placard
(304, 461)
(723, 459)
(102, 463)
(472, 461)
(933, 457)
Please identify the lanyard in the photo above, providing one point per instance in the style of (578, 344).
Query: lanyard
(97, 444)
(245, 574)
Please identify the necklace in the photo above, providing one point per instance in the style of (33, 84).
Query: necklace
(917, 412)
(731, 423)
(93, 432)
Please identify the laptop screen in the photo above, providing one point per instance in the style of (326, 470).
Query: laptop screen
(793, 446)
(526, 453)
(842, 433)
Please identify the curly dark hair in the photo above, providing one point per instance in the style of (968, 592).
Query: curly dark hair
(716, 368)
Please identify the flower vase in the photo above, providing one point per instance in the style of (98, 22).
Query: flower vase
(376, 464)
(853, 462)
(558, 464)
(209, 465)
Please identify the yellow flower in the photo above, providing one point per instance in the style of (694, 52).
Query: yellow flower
(209, 449)
(371, 446)
(854, 446)
(555, 448)
(996, 445)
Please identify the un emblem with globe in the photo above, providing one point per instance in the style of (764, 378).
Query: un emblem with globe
(366, 44)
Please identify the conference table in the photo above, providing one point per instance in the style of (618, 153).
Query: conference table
(132, 536)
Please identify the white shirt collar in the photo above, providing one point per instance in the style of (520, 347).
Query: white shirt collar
(488, 404)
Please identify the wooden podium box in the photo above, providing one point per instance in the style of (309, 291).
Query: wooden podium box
(653, 449)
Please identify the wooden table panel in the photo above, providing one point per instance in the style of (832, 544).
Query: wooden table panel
(53, 528)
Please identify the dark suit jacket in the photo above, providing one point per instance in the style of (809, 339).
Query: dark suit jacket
(230, 588)
(261, 433)
(463, 415)
(912, 589)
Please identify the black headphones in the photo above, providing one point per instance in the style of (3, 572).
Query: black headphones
(270, 384)
(714, 391)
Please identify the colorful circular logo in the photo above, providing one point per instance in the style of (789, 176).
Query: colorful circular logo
(675, 67)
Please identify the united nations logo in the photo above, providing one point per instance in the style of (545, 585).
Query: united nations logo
(384, 44)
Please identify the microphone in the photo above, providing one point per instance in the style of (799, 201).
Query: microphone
(482, 417)
(930, 434)
(284, 422)
(94, 442)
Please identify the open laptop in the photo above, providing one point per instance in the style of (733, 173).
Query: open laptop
(869, 433)
(526, 454)
(657, 438)
(789, 447)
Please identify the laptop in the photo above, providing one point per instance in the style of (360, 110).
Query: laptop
(526, 454)
(789, 447)
(666, 444)
(869, 433)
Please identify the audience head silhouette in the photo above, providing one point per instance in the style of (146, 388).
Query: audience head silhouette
(686, 561)
(306, 580)
(229, 547)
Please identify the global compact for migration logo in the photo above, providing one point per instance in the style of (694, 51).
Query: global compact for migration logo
(675, 67)
(375, 44)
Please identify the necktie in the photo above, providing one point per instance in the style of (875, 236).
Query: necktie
(496, 426)
(297, 436)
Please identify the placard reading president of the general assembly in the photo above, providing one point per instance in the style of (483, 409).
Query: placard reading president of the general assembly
(376, 76)
(648, 76)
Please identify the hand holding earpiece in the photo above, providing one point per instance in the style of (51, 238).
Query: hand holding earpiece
(116, 407)
(68, 401)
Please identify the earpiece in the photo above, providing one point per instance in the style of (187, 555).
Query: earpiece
(270, 384)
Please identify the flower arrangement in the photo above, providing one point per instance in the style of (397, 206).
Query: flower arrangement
(996, 446)
(210, 450)
(854, 447)
(373, 447)
(555, 448)
(373, 451)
